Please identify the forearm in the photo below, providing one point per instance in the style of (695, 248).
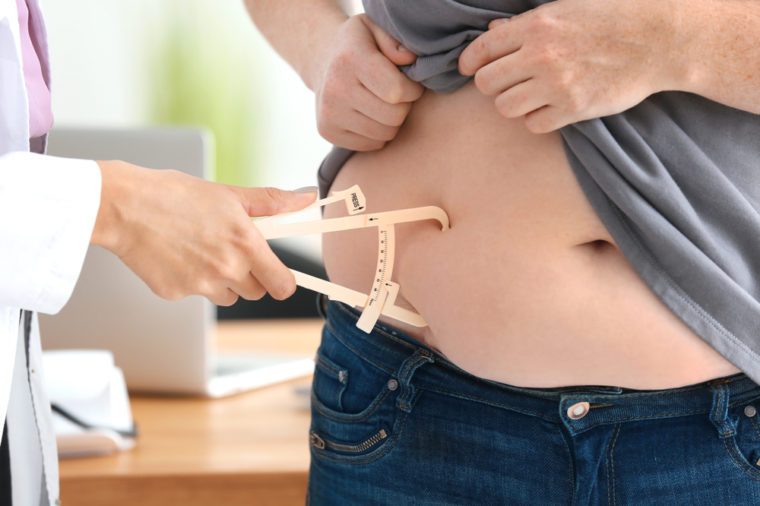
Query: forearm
(720, 46)
(297, 29)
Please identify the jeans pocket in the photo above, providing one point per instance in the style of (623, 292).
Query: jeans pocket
(744, 445)
(354, 416)
(358, 438)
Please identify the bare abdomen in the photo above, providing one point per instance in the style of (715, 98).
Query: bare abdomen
(527, 287)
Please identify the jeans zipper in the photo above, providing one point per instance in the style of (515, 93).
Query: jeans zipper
(320, 443)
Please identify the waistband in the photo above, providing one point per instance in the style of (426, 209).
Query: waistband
(395, 352)
(329, 168)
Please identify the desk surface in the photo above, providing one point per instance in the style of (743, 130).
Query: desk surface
(247, 449)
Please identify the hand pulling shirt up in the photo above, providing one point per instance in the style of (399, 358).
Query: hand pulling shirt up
(675, 179)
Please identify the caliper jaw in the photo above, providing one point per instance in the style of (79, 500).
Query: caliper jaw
(382, 297)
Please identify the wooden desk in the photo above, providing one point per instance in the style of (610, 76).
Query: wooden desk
(248, 449)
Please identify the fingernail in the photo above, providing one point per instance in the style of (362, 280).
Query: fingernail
(306, 189)
(402, 49)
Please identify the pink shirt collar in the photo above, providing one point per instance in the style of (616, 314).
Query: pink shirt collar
(40, 108)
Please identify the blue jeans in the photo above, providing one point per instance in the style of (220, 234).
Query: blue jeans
(395, 423)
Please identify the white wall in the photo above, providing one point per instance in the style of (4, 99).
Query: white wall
(96, 48)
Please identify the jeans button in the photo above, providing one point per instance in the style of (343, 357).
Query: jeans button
(578, 410)
(750, 410)
(392, 384)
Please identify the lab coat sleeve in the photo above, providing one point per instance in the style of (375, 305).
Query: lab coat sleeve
(48, 207)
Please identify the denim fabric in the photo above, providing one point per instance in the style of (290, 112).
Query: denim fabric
(395, 423)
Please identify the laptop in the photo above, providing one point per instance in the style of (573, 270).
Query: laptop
(161, 346)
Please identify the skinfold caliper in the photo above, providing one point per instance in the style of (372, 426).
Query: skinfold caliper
(382, 297)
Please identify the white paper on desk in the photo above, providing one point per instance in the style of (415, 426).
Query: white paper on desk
(87, 384)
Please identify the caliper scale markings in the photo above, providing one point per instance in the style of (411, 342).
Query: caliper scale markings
(382, 297)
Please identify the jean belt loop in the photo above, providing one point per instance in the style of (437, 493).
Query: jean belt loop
(719, 410)
(322, 305)
(405, 399)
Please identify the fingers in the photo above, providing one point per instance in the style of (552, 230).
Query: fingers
(362, 97)
(355, 142)
(519, 100)
(272, 274)
(268, 201)
(255, 270)
(370, 125)
(267, 272)
(503, 39)
(249, 288)
(381, 77)
(251, 272)
(501, 74)
(223, 297)
(390, 47)
(546, 119)
(497, 22)
(195, 237)
(371, 129)
(388, 114)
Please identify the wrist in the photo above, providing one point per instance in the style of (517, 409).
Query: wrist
(323, 32)
(109, 223)
(679, 66)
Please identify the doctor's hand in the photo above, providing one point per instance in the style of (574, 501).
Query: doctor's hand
(185, 236)
(362, 97)
(572, 60)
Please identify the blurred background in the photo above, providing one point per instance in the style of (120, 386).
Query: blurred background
(189, 62)
(123, 71)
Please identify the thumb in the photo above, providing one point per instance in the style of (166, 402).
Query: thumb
(269, 201)
(390, 47)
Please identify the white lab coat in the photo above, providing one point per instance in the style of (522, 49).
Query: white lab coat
(48, 208)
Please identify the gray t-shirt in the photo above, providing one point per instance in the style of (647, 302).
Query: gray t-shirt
(675, 179)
